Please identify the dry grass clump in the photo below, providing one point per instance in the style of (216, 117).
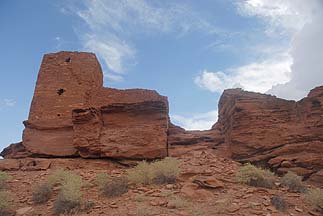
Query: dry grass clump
(70, 196)
(163, 171)
(279, 203)
(58, 177)
(315, 197)
(115, 187)
(293, 182)
(4, 177)
(101, 179)
(141, 174)
(42, 193)
(254, 176)
(4, 204)
(178, 203)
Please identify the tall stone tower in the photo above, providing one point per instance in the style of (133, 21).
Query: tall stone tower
(66, 81)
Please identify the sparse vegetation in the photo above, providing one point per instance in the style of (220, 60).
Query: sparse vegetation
(254, 176)
(4, 177)
(58, 177)
(116, 187)
(144, 210)
(163, 171)
(141, 174)
(4, 203)
(62, 205)
(178, 203)
(315, 197)
(42, 193)
(293, 182)
(279, 203)
(102, 179)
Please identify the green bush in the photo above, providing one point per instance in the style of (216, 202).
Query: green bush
(315, 197)
(159, 172)
(116, 187)
(4, 203)
(293, 182)
(42, 193)
(254, 176)
(279, 203)
(4, 177)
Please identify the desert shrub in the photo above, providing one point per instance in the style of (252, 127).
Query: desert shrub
(42, 193)
(4, 203)
(293, 182)
(70, 196)
(141, 174)
(165, 171)
(178, 203)
(4, 177)
(58, 177)
(62, 205)
(279, 203)
(315, 197)
(101, 179)
(116, 187)
(254, 176)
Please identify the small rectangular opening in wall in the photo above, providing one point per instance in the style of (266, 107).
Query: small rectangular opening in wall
(60, 91)
(68, 59)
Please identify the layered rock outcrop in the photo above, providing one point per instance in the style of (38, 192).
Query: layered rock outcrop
(72, 114)
(284, 135)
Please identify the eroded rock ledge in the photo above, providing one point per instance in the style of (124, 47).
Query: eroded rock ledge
(73, 115)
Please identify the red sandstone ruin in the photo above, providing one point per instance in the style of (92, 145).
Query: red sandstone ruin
(73, 115)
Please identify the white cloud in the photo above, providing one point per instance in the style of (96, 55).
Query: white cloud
(292, 72)
(112, 24)
(197, 121)
(283, 15)
(113, 77)
(8, 102)
(257, 76)
(113, 51)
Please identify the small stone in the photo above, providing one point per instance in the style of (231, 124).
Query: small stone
(23, 211)
(233, 208)
(298, 209)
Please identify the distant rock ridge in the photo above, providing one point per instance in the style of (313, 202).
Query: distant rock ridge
(73, 115)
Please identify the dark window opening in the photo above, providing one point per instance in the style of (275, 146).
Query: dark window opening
(68, 59)
(59, 115)
(60, 91)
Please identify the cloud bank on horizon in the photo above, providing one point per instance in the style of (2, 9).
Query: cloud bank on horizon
(287, 64)
(287, 73)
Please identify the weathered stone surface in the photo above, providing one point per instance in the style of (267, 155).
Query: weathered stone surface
(124, 130)
(15, 150)
(286, 135)
(70, 81)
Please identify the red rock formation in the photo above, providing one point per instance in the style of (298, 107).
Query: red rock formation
(285, 135)
(70, 81)
(133, 130)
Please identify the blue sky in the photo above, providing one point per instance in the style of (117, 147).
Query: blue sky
(187, 50)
